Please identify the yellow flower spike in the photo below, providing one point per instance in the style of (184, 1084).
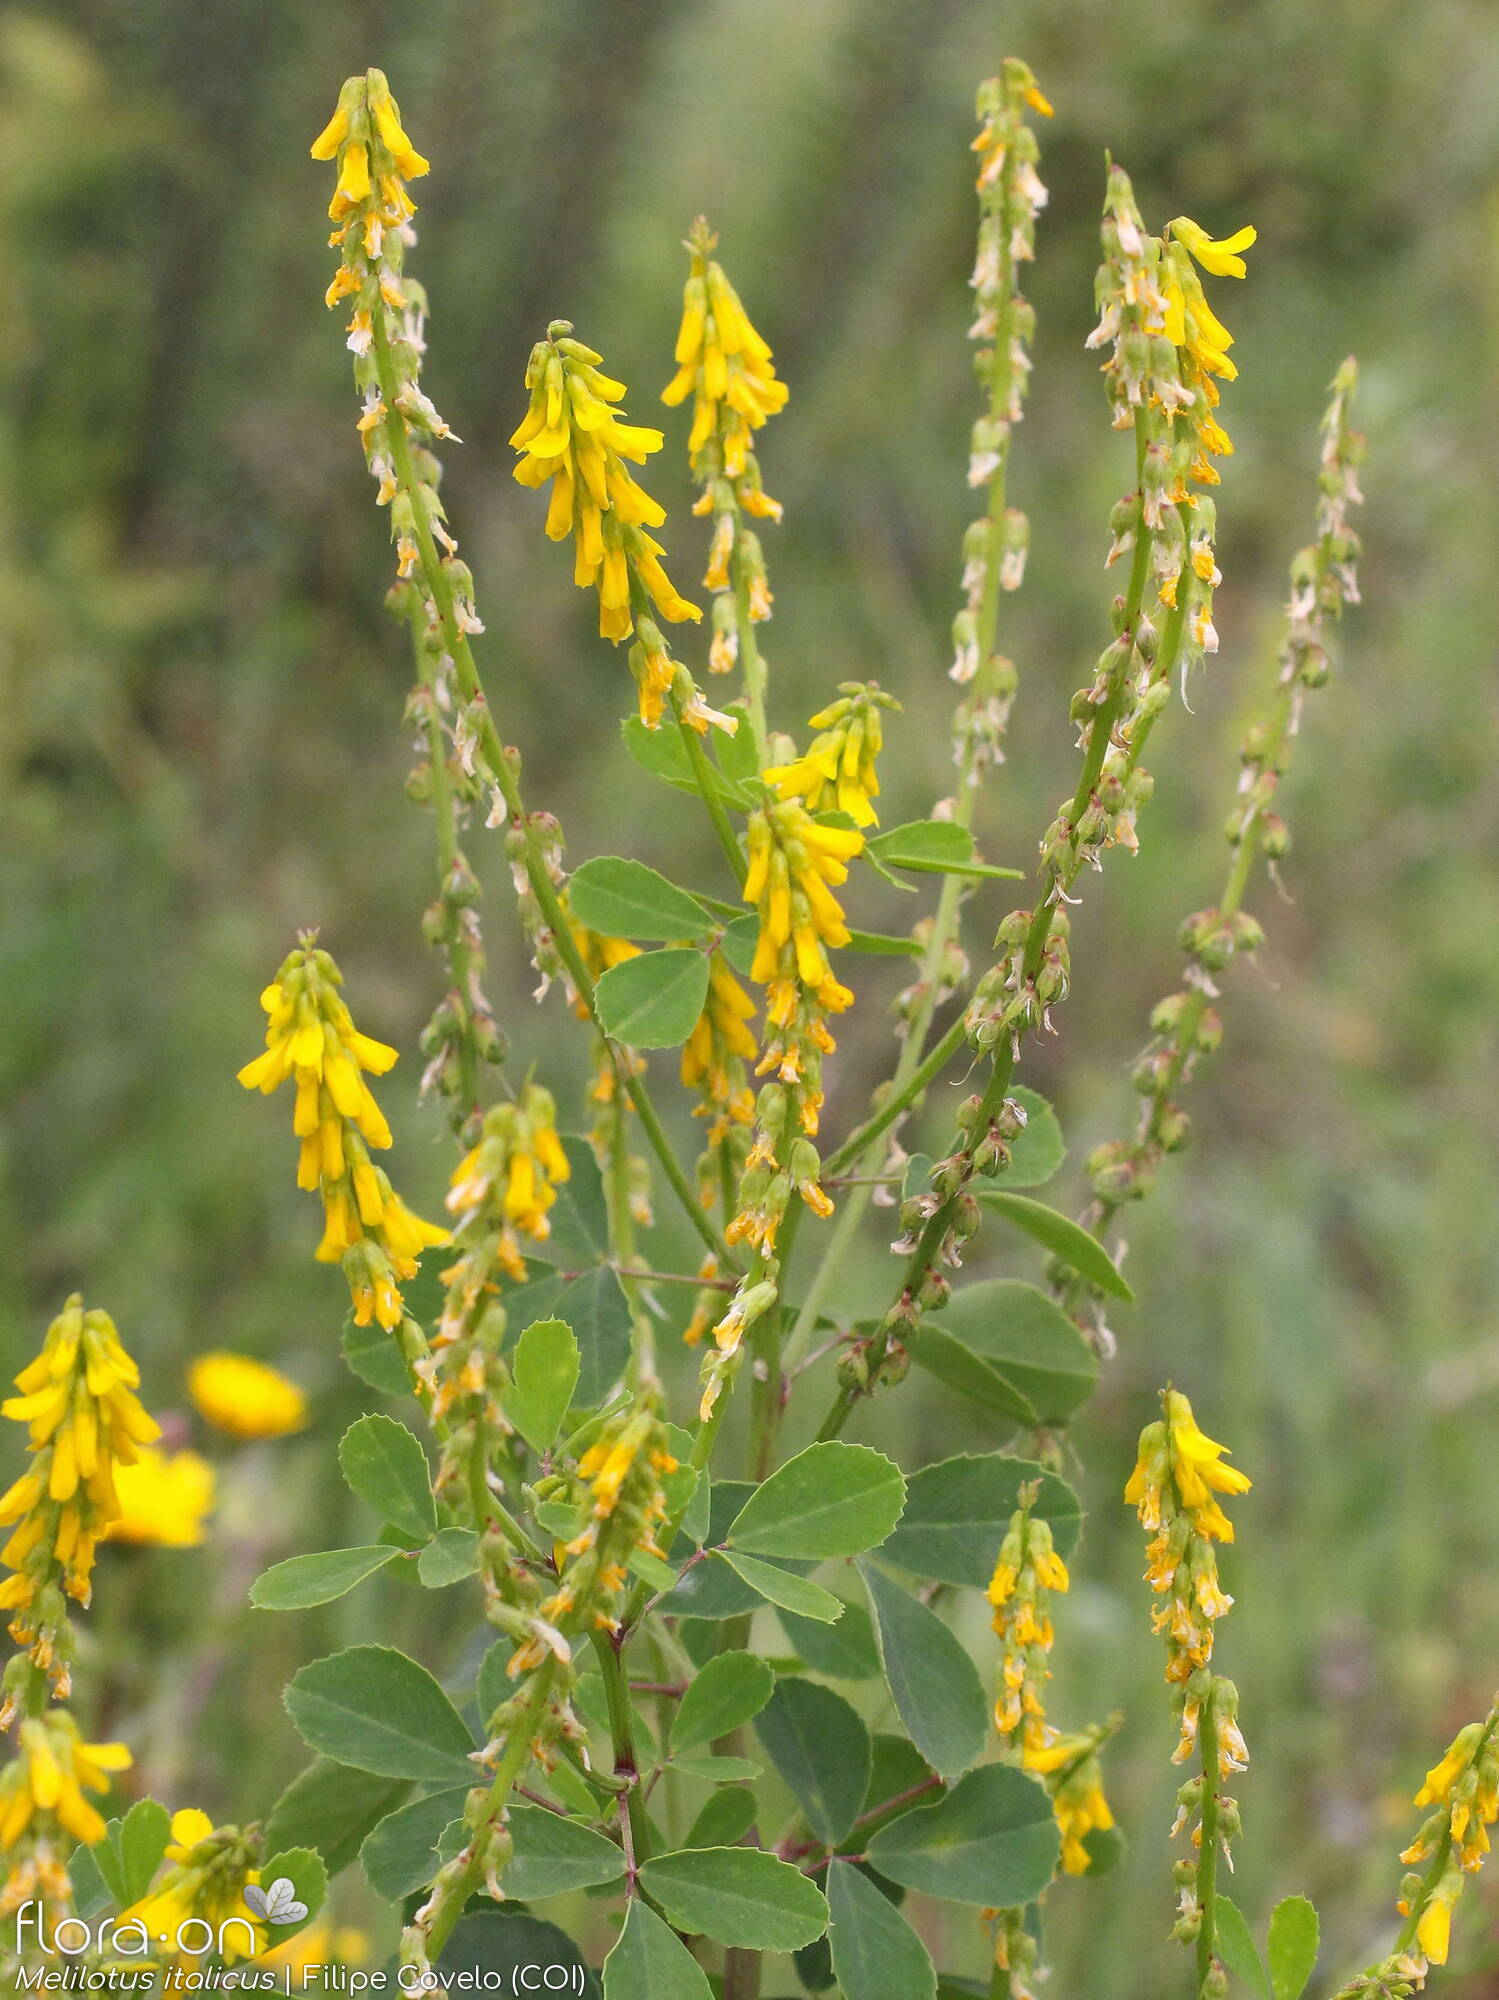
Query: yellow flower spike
(838, 773)
(210, 1869)
(726, 366)
(84, 1422)
(245, 1398)
(572, 440)
(502, 1188)
(311, 1038)
(164, 1499)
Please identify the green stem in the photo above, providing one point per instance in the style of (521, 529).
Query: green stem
(703, 772)
(750, 658)
(502, 770)
(517, 1755)
(622, 1737)
(1207, 1853)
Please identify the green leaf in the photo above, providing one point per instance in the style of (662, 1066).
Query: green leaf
(373, 1356)
(544, 1371)
(737, 755)
(933, 847)
(711, 1589)
(596, 1309)
(876, 945)
(935, 1685)
(400, 1854)
(304, 1870)
(625, 899)
(1059, 1234)
(1291, 1947)
(332, 1808)
(130, 1852)
(725, 1819)
(832, 1499)
(727, 1691)
(958, 1510)
(553, 1855)
(1040, 1149)
(653, 1001)
(580, 1214)
(783, 1588)
(821, 1748)
(493, 1943)
(386, 1467)
(844, 1652)
(737, 1896)
(651, 1570)
(300, 1581)
(663, 753)
(739, 943)
(940, 1354)
(1028, 1340)
(374, 1708)
(650, 1962)
(1236, 1947)
(717, 1770)
(992, 1841)
(452, 1553)
(1105, 1847)
(876, 1954)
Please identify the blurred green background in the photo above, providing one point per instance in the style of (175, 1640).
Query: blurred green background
(200, 749)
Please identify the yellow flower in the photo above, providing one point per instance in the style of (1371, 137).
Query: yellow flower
(319, 1944)
(714, 1054)
(1198, 1470)
(79, 1405)
(365, 136)
(311, 1037)
(1434, 1930)
(792, 862)
(508, 1181)
(726, 366)
(209, 1872)
(163, 1499)
(837, 773)
(1220, 258)
(51, 1772)
(571, 439)
(244, 1397)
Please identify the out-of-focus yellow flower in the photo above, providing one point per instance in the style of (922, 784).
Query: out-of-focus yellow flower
(78, 1402)
(244, 1397)
(1070, 1767)
(320, 1944)
(310, 1036)
(837, 771)
(726, 366)
(164, 1498)
(51, 1772)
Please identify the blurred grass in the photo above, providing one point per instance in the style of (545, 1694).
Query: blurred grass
(200, 750)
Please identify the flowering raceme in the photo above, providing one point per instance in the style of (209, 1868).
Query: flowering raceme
(79, 1405)
(514, 1171)
(726, 367)
(837, 771)
(209, 1869)
(713, 1066)
(311, 1038)
(571, 439)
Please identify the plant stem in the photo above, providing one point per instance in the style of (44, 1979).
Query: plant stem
(622, 1736)
(1207, 1853)
(703, 772)
(502, 769)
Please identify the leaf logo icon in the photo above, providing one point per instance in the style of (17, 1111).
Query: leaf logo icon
(277, 1905)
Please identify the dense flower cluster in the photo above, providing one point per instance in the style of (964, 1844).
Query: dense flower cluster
(208, 1870)
(512, 1176)
(836, 773)
(311, 1040)
(1175, 1489)
(714, 1059)
(571, 439)
(726, 367)
(1463, 1789)
(77, 1400)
